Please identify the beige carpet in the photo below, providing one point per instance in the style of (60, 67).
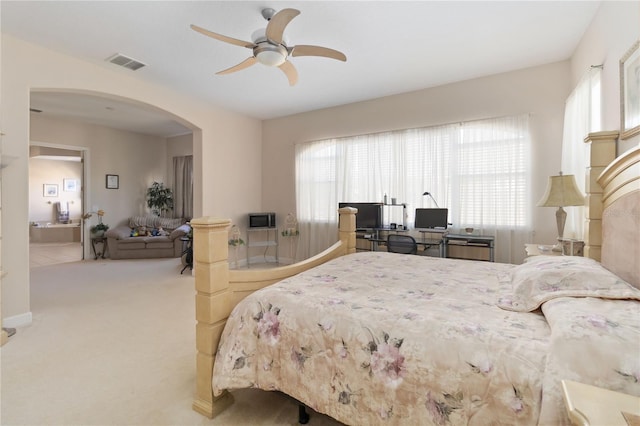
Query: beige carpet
(113, 343)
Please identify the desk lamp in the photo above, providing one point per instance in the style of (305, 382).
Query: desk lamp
(434, 200)
(561, 191)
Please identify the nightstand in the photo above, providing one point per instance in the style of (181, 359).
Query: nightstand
(589, 405)
(540, 249)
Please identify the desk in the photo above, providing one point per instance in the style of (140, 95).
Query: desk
(374, 239)
(424, 243)
(456, 246)
(469, 246)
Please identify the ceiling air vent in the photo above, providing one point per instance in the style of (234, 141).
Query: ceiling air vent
(125, 61)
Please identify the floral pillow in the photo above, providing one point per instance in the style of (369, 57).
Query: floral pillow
(543, 278)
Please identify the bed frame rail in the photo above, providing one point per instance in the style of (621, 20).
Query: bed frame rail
(218, 290)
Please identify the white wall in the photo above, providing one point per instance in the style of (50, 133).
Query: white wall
(41, 172)
(612, 32)
(27, 67)
(539, 91)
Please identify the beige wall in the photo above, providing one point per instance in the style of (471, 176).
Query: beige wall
(137, 159)
(41, 172)
(539, 91)
(612, 32)
(227, 147)
(218, 135)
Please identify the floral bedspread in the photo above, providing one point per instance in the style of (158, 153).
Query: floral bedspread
(381, 338)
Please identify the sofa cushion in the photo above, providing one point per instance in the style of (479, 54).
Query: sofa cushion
(169, 224)
(158, 242)
(180, 231)
(147, 221)
(119, 232)
(132, 243)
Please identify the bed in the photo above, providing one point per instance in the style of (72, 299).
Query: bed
(384, 338)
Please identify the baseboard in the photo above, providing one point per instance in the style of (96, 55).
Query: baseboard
(18, 320)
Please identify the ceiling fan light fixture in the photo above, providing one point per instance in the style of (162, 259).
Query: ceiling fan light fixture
(270, 55)
(269, 46)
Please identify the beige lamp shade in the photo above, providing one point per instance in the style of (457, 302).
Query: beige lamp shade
(562, 191)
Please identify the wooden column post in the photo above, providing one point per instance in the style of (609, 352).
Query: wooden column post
(601, 151)
(347, 228)
(210, 250)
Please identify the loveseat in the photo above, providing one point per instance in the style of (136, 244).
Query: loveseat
(146, 237)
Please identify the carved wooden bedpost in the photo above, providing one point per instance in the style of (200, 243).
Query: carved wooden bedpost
(210, 249)
(601, 150)
(347, 228)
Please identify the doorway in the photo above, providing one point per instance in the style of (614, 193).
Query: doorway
(56, 199)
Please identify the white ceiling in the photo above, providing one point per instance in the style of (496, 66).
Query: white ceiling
(391, 47)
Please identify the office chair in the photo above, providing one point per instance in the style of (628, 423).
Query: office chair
(404, 244)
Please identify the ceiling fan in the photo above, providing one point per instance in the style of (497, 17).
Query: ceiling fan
(269, 48)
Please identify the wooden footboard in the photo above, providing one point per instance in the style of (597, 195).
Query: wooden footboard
(218, 290)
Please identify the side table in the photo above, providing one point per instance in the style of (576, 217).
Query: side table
(591, 405)
(97, 241)
(541, 249)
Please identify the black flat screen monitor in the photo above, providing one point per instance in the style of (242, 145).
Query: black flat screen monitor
(369, 215)
(427, 219)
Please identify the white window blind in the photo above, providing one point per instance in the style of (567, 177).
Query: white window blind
(479, 170)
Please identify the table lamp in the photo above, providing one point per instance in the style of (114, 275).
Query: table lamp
(561, 191)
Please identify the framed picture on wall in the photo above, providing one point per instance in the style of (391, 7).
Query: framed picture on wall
(113, 182)
(50, 190)
(630, 92)
(70, 185)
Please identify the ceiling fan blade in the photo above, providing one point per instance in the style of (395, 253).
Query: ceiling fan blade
(247, 44)
(277, 24)
(290, 71)
(306, 50)
(242, 65)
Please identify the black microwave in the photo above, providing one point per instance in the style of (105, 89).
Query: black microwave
(262, 220)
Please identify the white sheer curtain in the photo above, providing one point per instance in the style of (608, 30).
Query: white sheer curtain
(479, 170)
(582, 115)
(491, 183)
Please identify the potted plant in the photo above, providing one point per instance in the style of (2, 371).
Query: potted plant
(159, 198)
(100, 228)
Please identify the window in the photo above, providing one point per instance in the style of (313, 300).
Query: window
(479, 170)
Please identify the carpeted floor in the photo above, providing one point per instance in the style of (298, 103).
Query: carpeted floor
(113, 343)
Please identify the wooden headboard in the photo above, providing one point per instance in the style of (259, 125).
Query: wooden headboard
(620, 183)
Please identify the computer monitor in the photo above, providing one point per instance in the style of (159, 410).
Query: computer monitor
(369, 215)
(431, 219)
